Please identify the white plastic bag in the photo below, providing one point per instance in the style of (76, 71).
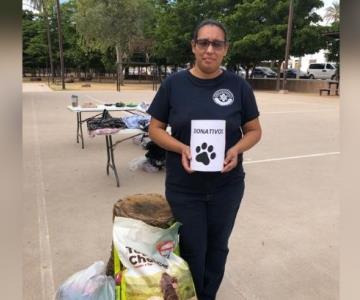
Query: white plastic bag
(88, 284)
(142, 163)
(137, 163)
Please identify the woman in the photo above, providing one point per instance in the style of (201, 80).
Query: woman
(206, 203)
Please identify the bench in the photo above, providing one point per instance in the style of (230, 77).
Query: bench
(329, 88)
(325, 90)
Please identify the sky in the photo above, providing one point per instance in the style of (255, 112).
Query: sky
(26, 4)
(322, 10)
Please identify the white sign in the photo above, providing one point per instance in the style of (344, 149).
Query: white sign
(207, 145)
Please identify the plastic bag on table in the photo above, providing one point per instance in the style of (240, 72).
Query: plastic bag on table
(103, 131)
(88, 284)
(105, 121)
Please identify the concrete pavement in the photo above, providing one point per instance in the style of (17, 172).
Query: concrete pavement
(285, 241)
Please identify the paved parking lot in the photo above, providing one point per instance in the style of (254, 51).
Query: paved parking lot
(285, 243)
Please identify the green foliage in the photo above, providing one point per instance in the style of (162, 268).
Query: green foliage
(107, 59)
(333, 43)
(332, 15)
(161, 30)
(258, 30)
(111, 23)
(176, 21)
(76, 53)
(115, 24)
(35, 52)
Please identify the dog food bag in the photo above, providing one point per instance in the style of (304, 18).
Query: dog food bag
(149, 267)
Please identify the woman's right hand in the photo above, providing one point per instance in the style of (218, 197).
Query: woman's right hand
(186, 158)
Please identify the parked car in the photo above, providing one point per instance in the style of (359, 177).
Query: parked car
(238, 70)
(241, 72)
(291, 73)
(263, 72)
(322, 71)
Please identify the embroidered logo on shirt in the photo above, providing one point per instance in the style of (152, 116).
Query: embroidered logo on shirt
(223, 97)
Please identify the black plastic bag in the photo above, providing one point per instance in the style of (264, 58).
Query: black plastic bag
(105, 121)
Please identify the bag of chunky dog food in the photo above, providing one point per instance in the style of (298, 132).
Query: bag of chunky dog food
(146, 266)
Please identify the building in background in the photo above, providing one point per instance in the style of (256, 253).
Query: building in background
(303, 62)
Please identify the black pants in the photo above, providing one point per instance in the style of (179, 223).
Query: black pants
(208, 219)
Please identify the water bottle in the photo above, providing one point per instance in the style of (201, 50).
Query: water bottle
(74, 100)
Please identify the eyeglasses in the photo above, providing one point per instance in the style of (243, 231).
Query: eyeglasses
(204, 44)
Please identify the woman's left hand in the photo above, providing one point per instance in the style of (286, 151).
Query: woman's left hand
(231, 160)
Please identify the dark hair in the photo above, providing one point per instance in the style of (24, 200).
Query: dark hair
(210, 22)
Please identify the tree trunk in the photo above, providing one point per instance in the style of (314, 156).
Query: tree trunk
(119, 68)
(288, 42)
(60, 43)
(247, 69)
(278, 75)
(49, 40)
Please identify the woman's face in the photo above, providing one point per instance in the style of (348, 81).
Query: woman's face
(208, 57)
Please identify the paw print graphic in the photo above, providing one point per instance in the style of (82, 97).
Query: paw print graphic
(205, 153)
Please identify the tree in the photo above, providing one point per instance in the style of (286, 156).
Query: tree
(176, 21)
(332, 13)
(112, 23)
(332, 39)
(258, 30)
(58, 13)
(35, 53)
(42, 6)
(76, 53)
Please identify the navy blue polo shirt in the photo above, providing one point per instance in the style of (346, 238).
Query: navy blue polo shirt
(183, 97)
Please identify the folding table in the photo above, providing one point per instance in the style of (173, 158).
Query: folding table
(98, 109)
